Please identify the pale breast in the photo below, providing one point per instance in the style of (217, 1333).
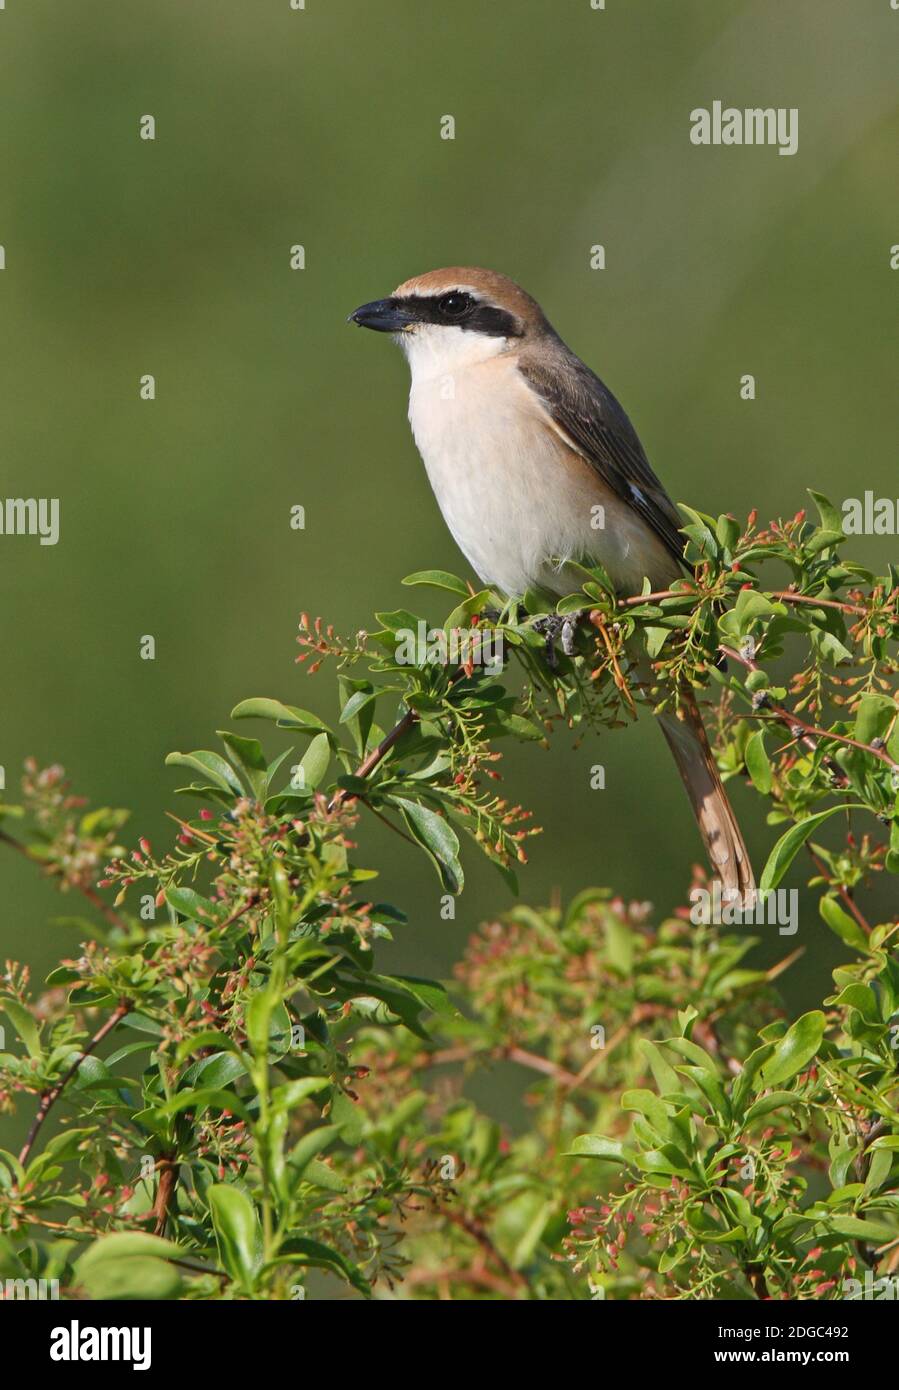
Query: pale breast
(516, 498)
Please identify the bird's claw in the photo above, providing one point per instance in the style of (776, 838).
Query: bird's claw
(561, 629)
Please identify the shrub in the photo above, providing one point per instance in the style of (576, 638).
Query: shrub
(268, 1102)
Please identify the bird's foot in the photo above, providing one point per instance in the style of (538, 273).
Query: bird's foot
(559, 629)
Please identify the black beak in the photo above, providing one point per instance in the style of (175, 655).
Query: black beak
(383, 315)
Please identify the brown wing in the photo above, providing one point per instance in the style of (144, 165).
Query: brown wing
(592, 422)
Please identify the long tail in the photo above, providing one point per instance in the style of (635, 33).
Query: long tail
(717, 823)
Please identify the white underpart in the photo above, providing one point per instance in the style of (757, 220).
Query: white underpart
(515, 498)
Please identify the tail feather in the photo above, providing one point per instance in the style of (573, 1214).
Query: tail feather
(717, 823)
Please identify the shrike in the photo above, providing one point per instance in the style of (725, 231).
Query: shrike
(521, 443)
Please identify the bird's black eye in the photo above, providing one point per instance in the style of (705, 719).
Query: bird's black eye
(455, 305)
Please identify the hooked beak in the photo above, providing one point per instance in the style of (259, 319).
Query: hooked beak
(383, 315)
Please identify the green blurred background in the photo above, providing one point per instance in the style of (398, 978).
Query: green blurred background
(322, 127)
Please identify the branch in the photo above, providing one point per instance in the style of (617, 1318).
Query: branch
(48, 1098)
(843, 892)
(784, 595)
(809, 732)
(541, 1064)
(376, 756)
(93, 897)
(167, 1168)
(477, 1232)
(238, 912)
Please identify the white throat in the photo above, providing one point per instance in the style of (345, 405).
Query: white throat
(437, 350)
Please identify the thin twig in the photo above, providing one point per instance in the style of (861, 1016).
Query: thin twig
(541, 1064)
(843, 892)
(238, 912)
(88, 892)
(784, 595)
(167, 1169)
(48, 1098)
(789, 596)
(389, 823)
(810, 733)
(617, 674)
(376, 756)
(476, 1231)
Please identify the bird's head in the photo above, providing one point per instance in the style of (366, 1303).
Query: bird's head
(451, 318)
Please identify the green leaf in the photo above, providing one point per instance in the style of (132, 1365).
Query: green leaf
(429, 993)
(212, 766)
(873, 717)
(438, 579)
(727, 531)
(129, 1265)
(125, 1244)
(789, 845)
(860, 997)
(823, 540)
(751, 605)
(357, 702)
(794, 1050)
(828, 646)
(314, 762)
(700, 532)
(595, 1146)
(776, 1100)
(846, 927)
(135, 1278)
(655, 1110)
(237, 1232)
(881, 1163)
(692, 1051)
(192, 905)
(24, 1025)
(320, 1175)
(62, 1148)
(857, 1228)
(438, 837)
(197, 1101)
(664, 1075)
(461, 615)
(310, 1146)
(216, 1071)
(620, 945)
(209, 1037)
(257, 1021)
(831, 520)
(303, 1251)
(758, 764)
(711, 1088)
(295, 1092)
(285, 716)
(249, 757)
(350, 1119)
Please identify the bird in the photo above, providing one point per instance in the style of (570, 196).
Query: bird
(525, 448)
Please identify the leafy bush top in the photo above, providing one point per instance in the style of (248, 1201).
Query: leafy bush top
(269, 1102)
